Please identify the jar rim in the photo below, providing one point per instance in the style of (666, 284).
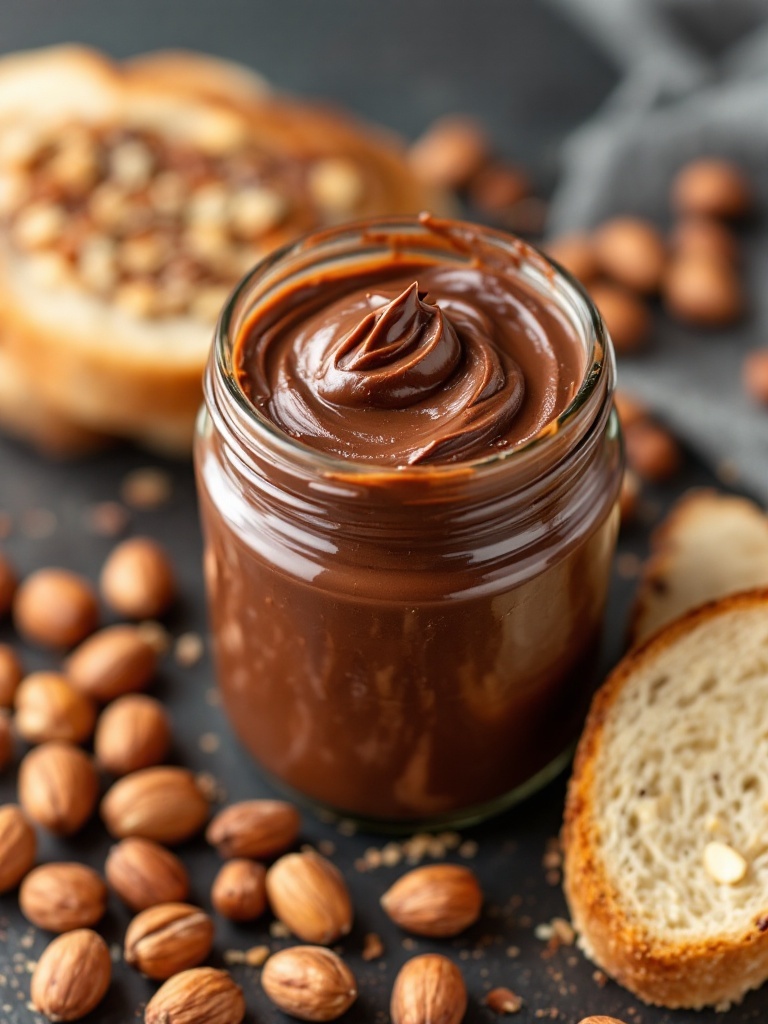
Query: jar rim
(599, 357)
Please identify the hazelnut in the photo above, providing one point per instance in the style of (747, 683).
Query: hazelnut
(18, 846)
(58, 787)
(55, 608)
(132, 733)
(498, 187)
(256, 829)
(115, 661)
(699, 290)
(632, 252)
(255, 210)
(50, 708)
(39, 225)
(11, 674)
(309, 895)
(239, 891)
(171, 937)
(200, 994)
(428, 988)
(754, 375)
(437, 900)
(625, 315)
(8, 584)
(143, 874)
(62, 896)
(705, 237)
(651, 451)
(72, 976)
(577, 254)
(309, 983)
(138, 580)
(711, 187)
(163, 803)
(450, 152)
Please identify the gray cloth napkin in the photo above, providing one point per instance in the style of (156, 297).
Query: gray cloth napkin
(695, 83)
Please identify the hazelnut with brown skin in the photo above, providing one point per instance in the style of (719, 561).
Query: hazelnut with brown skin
(704, 237)
(711, 187)
(11, 674)
(625, 315)
(137, 580)
(632, 252)
(450, 152)
(498, 187)
(239, 891)
(652, 452)
(577, 254)
(702, 291)
(55, 608)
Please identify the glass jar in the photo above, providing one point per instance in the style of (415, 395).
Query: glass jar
(408, 645)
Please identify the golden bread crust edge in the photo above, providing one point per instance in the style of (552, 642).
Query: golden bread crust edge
(709, 972)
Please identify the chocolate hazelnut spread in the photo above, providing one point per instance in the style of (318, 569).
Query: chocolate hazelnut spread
(408, 363)
(408, 472)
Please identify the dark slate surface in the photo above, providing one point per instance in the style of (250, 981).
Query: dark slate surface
(403, 62)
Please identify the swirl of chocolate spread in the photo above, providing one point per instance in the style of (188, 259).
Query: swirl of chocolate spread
(409, 363)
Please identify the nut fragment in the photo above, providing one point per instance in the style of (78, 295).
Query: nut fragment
(450, 152)
(429, 989)
(58, 787)
(503, 1000)
(164, 804)
(166, 939)
(138, 580)
(632, 252)
(49, 708)
(18, 846)
(257, 829)
(115, 661)
(63, 896)
(723, 864)
(309, 983)
(712, 188)
(703, 291)
(72, 976)
(11, 673)
(143, 874)
(437, 900)
(8, 584)
(55, 608)
(308, 894)
(239, 891)
(336, 185)
(196, 996)
(132, 733)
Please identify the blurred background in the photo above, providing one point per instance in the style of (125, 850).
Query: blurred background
(519, 66)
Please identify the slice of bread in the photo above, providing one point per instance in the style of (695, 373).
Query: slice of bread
(666, 824)
(710, 545)
(133, 197)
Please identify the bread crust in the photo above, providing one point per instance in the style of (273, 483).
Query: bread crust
(675, 974)
(661, 565)
(90, 363)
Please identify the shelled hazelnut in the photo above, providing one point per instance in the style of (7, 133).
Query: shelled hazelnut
(632, 252)
(48, 708)
(711, 187)
(132, 732)
(11, 674)
(58, 787)
(137, 580)
(625, 315)
(143, 874)
(55, 608)
(112, 662)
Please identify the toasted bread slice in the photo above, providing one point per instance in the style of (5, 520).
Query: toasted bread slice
(666, 824)
(710, 545)
(132, 199)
